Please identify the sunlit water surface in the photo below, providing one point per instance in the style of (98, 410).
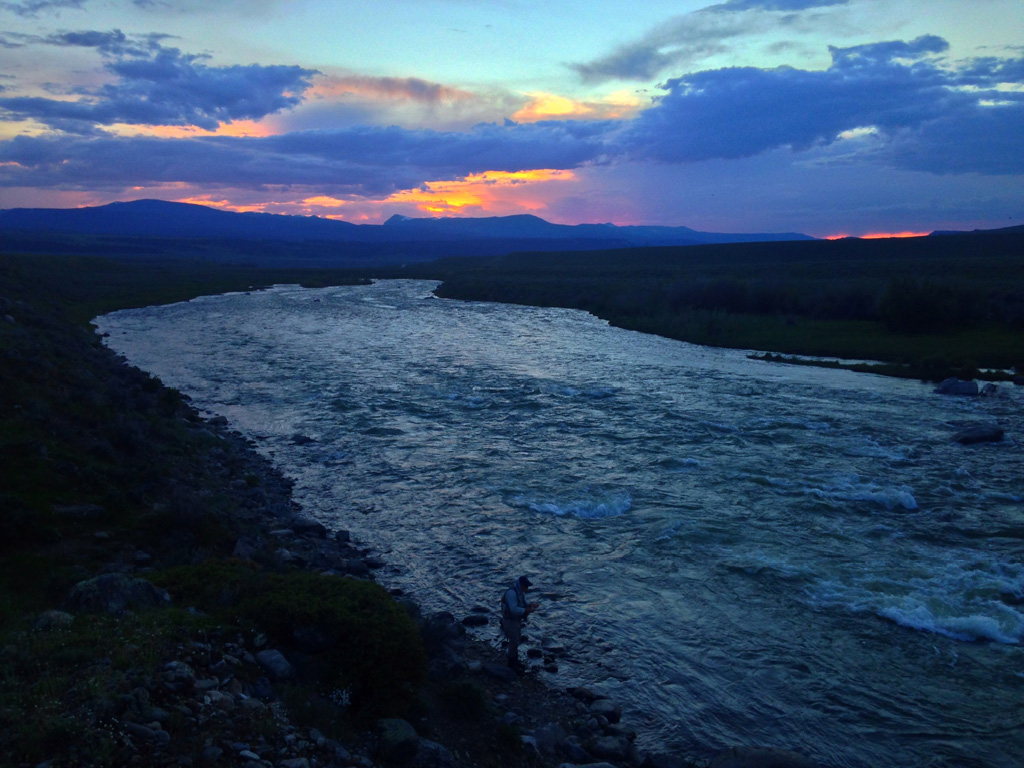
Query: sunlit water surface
(738, 552)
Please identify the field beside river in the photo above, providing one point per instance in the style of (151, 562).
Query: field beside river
(927, 307)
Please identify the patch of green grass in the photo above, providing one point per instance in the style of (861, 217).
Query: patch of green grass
(375, 651)
(58, 687)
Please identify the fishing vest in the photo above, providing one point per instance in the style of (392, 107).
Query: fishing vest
(506, 609)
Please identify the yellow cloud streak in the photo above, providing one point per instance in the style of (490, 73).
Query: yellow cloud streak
(551, 106)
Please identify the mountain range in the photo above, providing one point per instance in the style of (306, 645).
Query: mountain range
(161, 219)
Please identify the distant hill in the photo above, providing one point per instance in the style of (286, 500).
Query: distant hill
(161, 219)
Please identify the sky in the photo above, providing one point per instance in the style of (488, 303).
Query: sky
(827, 117)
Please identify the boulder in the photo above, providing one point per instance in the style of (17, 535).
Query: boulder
(430, 754)
(275, 664)
(760, 757)
(585, 695)
(114, 593)
(954, 386)
(608, 709)
(475, 620)
(308, 527)
(979, 433)
(613, 748)
(397, 741)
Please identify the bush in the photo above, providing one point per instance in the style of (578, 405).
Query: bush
(375, 651)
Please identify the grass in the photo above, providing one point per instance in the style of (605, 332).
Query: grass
(930, 306)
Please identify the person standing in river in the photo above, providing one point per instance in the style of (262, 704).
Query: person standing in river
(514, 610)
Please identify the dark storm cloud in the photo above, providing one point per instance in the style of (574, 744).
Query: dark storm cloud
(367, 161)
(924, 109)
(159, 85)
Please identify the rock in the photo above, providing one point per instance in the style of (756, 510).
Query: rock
(433, 755)
(953, 386)
(989, 390)
(275, 664)
(50, 620)
(178, 674)
(247, 548)
(499, 671)
(614, 748)
(398, 741)
(438, 630)
(218, 421)
(262, 689)
(114, 593)
(212, 754)
(300, 439)
(475, 620)
(549, 738)
(585, 695)
(574, 753)
(760, 757)
(608, 709)
(979, 433)
(308, 526)
(295, 762)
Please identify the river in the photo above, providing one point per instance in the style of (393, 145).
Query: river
(738, 552)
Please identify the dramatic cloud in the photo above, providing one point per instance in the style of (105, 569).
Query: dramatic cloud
(158, 85)
(896, 89)
(367, 161)
(896, 104)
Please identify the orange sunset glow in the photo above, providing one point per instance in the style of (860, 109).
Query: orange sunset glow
(878, 235)
(479, 190)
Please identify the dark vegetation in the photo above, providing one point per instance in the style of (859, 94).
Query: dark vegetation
(926, 307)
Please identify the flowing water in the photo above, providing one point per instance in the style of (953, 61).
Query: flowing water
(736, 551)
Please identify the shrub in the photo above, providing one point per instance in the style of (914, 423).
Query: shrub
(375, 651)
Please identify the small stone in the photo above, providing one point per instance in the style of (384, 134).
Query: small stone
(276, 664)
(608, 709)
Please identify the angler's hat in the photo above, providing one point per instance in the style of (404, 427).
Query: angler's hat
(525, 582)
